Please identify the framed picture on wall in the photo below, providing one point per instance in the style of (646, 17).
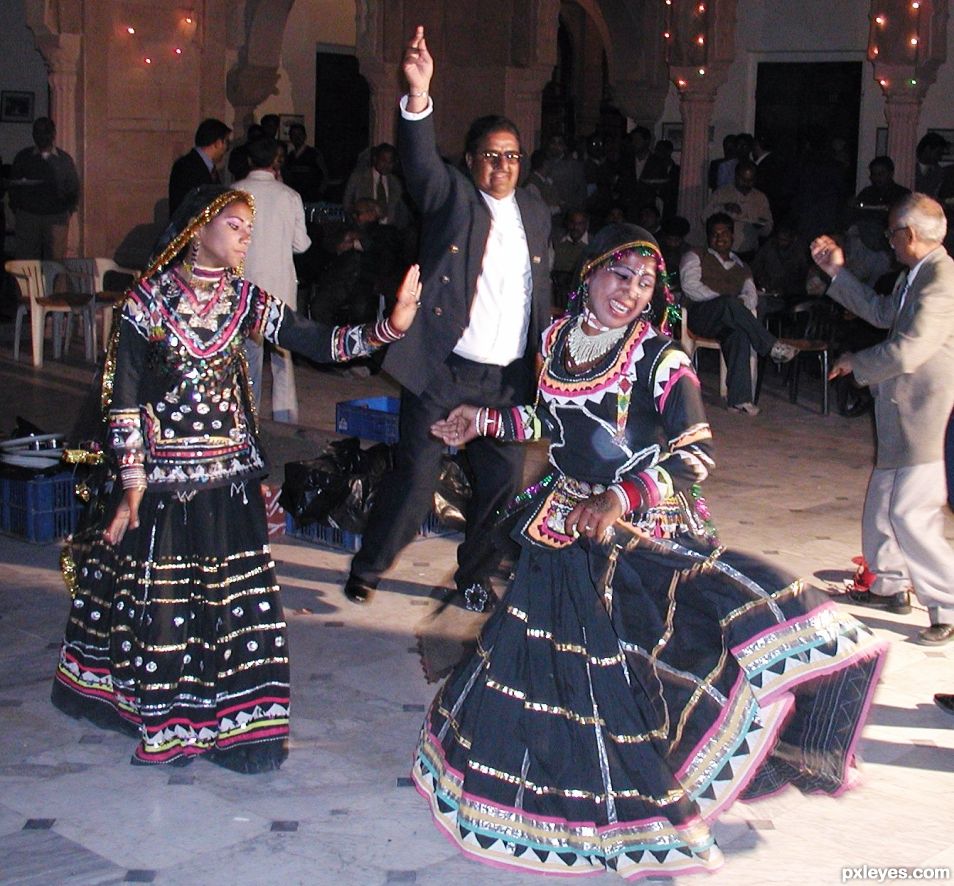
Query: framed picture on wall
(286, 120)
(16, 107)
(673, 132)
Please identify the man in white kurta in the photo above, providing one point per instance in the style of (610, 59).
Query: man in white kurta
(279, 232)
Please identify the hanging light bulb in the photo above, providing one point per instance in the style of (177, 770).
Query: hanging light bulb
(130, 30)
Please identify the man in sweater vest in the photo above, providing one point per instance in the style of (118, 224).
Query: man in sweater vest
(721, 301)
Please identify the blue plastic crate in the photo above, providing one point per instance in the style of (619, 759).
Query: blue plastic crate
(370, 418)
(39, 509)
(330, 537)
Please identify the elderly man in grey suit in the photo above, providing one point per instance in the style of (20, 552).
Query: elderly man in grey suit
(911, 374)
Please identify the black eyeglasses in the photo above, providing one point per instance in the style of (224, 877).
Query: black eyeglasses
(890, 232)
(495, 158)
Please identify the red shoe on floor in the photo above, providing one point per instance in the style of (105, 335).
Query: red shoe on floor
(863, 577)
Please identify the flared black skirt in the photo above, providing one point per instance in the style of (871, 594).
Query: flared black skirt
(615, 706)
(177, 633)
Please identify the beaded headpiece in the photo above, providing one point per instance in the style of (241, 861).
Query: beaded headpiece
(200, 206)
(608, 247)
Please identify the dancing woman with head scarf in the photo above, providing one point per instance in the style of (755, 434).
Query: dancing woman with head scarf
(634, 680)
(176, 631)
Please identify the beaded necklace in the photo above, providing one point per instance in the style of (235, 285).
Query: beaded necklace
(585, 349)
(203, 304)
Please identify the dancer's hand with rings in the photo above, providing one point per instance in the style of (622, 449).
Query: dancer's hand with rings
(126, 517)
(458, 428)
(594, 517)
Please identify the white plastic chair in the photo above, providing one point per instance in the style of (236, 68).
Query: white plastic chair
(37, 281)
(691, 343)
(87, 275)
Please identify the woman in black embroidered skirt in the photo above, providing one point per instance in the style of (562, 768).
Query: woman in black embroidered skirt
(635, 680)
(176, 632)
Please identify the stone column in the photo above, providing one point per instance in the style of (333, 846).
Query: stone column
(696, 111)
(697, 93)
(907, 43)
(386, 86)
(700, 47)
(902, 113)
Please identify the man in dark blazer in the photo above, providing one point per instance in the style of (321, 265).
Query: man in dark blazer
(198, 167)
(911, 375)
(485, 302)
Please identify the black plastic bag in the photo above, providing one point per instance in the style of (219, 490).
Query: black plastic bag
(337, 486)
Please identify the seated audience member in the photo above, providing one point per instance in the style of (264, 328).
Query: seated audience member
(722, 169)
(567, 250)
(305, 169)
(929, 173)
(772, 176)
(379, 180)
(747, 206)
(600, 174)
(271, 123)
(566, 172)
(721, 301)
(640, 172)
(873, 202)
(540, 182)
(667, 189)
(647, 216)
(781, 264)
(672, 243)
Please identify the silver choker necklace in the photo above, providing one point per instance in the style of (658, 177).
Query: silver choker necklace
(585, 349)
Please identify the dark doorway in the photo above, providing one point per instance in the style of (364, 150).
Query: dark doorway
(797, 103)
(342, 111)
(810, 113)
(558, 116)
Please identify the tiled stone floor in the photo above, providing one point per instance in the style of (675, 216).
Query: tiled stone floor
(72, 810)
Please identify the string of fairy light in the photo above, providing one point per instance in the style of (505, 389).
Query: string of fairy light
(151, 52)
(696, 50)
(690, 37)
(885, 25)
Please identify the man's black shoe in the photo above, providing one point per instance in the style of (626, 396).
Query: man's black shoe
(479, 597)
(899, 603)
(936, 635)
(945, 702)
(358, 591)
